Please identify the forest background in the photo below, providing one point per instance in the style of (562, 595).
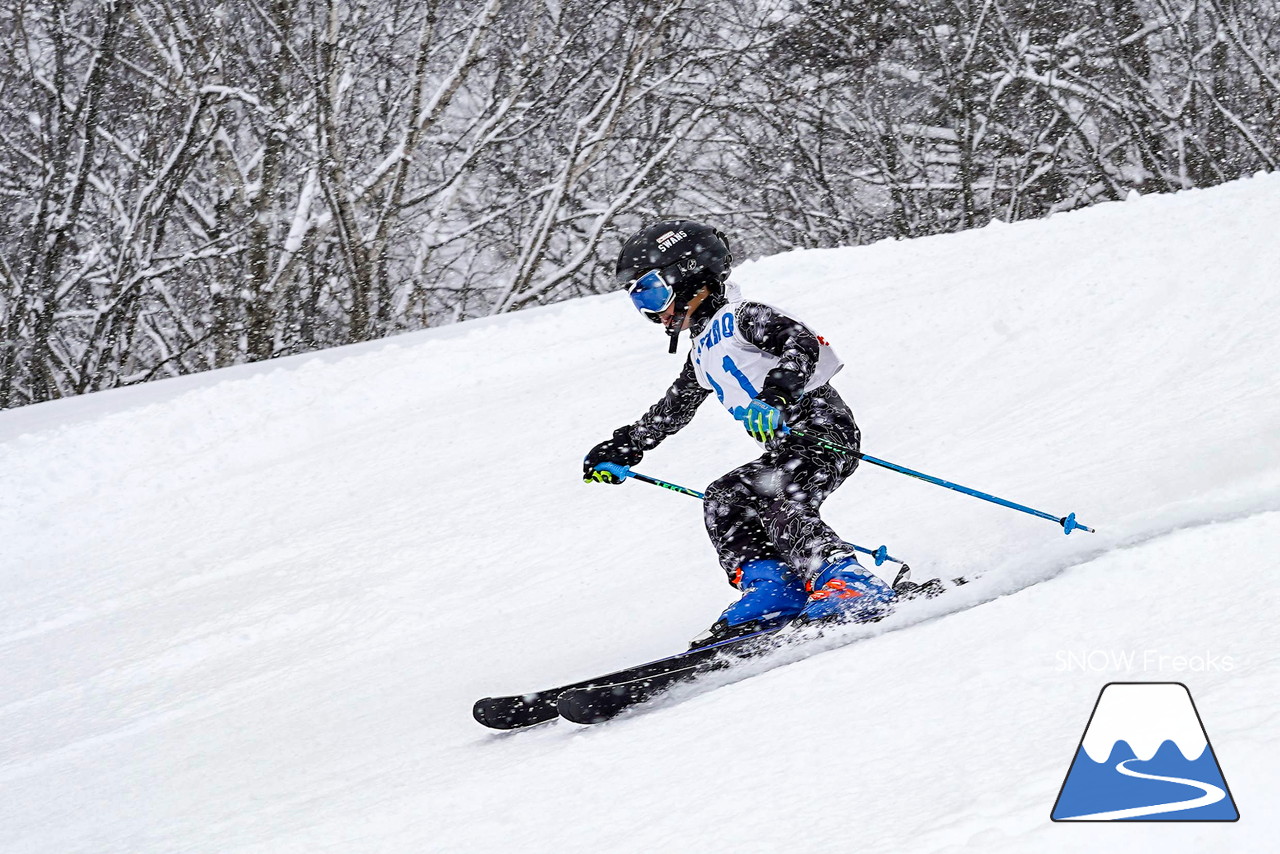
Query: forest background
(187, 185)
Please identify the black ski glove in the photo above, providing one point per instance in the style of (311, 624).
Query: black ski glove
(782, 387)
(619, 450)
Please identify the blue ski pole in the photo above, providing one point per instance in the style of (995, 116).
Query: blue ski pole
(623, 472)
(1067, 522)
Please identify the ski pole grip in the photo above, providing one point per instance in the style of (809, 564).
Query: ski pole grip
(620, 472)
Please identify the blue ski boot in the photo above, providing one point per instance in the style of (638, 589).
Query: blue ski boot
(771, 595)
(843, 591)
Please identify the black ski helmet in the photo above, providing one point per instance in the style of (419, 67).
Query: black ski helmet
(688, 254)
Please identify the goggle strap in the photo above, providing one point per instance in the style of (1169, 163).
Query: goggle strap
(673, 334)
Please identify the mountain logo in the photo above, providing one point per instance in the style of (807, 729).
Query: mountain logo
(1145, 756)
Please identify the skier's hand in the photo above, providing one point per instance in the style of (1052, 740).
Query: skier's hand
(762, 420)
(618, 450)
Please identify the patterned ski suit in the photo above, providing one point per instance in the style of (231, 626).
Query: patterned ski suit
(769, 507)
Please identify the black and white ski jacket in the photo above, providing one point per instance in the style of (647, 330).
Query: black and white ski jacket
(747, 350)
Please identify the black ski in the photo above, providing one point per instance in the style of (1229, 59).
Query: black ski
(522, 710)
(605, 700)
(604, 697)
(596, 703)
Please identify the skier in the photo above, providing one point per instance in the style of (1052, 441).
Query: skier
(769, 370)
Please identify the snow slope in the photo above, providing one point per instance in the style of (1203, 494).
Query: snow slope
(249, 611)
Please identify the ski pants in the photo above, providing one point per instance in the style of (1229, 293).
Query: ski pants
(768, 508)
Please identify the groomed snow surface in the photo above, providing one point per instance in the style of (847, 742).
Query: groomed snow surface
(249, 611)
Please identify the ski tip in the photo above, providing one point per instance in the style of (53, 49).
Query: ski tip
(508, 713)
(484, 713)
(593, 705)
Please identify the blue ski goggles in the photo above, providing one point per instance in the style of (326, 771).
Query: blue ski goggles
(651, 294)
